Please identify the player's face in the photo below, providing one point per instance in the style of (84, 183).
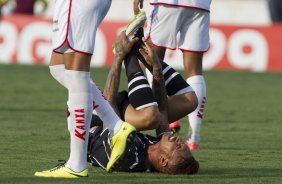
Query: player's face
(174, 147)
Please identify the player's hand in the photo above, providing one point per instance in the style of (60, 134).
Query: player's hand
(150, 55)
(136, 5)
(123, 46)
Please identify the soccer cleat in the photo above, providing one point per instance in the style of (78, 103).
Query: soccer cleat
(138, 22)
(175, 127)
(62, 171)
(133, 26)
(193, 146)
(193, 140)
(121, 141)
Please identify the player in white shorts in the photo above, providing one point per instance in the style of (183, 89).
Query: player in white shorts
(191, 20)
(74, 29)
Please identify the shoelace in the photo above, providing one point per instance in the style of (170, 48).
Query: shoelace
(60, 165)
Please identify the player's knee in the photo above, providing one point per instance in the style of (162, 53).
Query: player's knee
(194, 101)
(151, 118)
(193, 66)
(58, 73)
(191, 102)
(55, 72)
(190, 72)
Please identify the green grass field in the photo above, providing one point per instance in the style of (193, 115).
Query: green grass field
(241, 133)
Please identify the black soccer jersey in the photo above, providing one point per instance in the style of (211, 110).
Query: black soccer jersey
(136, 159)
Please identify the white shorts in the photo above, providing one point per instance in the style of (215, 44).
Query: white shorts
(192, 24)
(75, 24)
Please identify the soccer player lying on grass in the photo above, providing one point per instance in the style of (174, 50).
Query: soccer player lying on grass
(145, 109)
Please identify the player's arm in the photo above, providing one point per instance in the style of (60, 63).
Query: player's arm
(161, 98)
(122, 47)
(112, 83)
(158, 87)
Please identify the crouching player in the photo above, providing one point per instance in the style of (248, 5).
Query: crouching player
(171, 99)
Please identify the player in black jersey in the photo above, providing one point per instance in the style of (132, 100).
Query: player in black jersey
(145, 109)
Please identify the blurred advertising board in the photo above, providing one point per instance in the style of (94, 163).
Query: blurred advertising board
(27, 40)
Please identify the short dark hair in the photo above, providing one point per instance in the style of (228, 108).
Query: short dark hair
(184, 166)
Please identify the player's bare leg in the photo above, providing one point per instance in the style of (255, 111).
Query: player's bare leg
(121, 131)
(76, 79)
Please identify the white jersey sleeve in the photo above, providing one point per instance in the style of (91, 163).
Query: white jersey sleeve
(201, 4)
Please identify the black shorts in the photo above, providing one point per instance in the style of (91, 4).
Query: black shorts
(122, 103)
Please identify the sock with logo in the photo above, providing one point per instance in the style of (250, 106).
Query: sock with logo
(198, 84)
(104, 110)
(80, 104)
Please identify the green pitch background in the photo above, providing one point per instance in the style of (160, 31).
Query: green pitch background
(241, 133)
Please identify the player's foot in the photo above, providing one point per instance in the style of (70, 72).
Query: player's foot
(193, 140)
(175, 127)
(62, 171)
(120, 142)
(134, 25)
(193, 146)
(138, 22)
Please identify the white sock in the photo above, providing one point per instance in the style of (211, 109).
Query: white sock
(80, 108)
(58, 72)
(198, 84)
(68, 117)
(105, 111)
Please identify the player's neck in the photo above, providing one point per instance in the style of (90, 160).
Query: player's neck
(152, 154)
